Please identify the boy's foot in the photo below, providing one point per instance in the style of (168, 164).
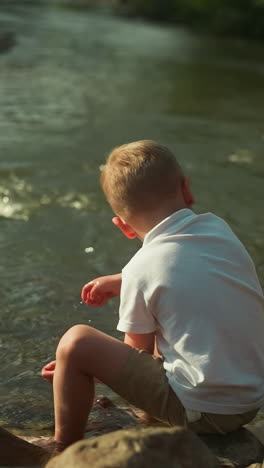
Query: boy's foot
(49, 443)
(52, 447)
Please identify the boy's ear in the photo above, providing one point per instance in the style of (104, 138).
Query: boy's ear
(124, 228)
(186, 192)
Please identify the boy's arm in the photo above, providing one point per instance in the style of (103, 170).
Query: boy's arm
(144, 341)
(97, 292)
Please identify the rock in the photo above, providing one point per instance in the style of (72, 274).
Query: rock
(17, 452)
(257, 465)
(7, 41)
(236, 449)
(107, 417)
(138, 448)
(257, 428)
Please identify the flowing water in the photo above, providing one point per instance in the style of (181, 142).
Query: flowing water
(75, 84)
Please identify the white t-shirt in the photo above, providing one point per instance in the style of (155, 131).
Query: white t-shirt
(194, 285)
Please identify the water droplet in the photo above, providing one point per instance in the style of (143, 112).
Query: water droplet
(89, 249)
(76, 306)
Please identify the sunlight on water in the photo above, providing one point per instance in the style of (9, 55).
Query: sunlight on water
(12, 210)
(243, 156)
(89, 250)
(13, 196)
(20, 200)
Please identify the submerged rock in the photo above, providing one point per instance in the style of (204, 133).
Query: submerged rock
(7, 41)
(107, 417)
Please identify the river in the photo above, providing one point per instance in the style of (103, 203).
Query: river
(76, 84)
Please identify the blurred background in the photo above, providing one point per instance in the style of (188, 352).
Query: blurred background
(77, 79)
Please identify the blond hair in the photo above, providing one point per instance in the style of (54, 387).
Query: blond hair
(139, 176)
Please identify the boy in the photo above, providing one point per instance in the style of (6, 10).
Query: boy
(191, 290)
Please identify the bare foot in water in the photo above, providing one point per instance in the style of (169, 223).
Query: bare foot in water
(49, 444)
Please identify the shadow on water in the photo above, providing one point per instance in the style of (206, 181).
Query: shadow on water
(74, 85)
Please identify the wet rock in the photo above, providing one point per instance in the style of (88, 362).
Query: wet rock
(7, 41)
(107, 417)
(138, 448)
(17, 452)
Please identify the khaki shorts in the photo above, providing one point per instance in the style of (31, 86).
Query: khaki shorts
(143, 383)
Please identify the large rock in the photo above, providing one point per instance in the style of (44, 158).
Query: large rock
(17, 452)
(257, 465)
(138, 448)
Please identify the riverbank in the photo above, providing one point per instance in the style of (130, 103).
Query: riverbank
(233, 19)
(227, 19)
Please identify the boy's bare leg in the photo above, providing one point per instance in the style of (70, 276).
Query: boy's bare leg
(83, 353)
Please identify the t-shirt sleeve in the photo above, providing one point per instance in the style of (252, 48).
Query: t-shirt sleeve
(134, 314)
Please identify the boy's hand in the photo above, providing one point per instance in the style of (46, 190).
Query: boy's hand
(97, 292)
(47, 372)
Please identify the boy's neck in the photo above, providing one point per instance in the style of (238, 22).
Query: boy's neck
(144, 223)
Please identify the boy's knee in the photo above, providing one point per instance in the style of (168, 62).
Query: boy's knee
(71, 342)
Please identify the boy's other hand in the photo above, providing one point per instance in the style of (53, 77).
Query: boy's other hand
(47, 372)
(100, 290)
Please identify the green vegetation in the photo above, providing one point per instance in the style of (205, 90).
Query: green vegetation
(230, 17)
